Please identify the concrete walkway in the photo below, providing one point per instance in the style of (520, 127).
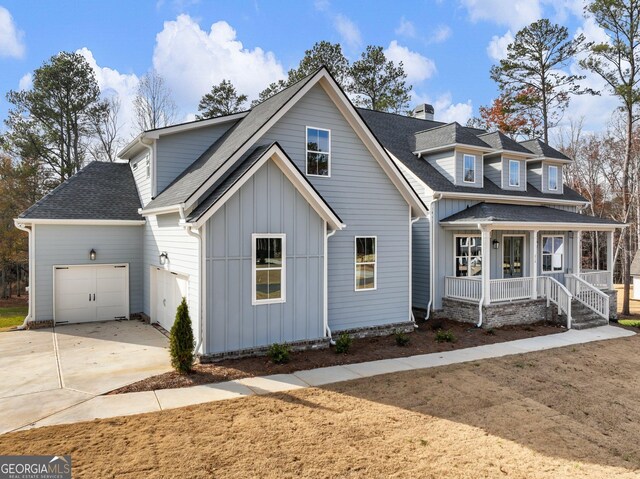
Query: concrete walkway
(142, 402)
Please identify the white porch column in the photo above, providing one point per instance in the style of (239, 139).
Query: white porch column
(486, 264)
(610, 257)
(533, 241)
(577, 252)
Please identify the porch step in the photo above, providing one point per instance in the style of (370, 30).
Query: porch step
(584, 318)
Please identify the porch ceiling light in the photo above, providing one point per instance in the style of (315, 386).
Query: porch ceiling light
(163, 258)
(92, 254)
(495, 244)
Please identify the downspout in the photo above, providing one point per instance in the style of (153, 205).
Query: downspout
(412, 317)
(28, 317)
(481, 303)
(436, 197)
(189, 229)
(326, 286)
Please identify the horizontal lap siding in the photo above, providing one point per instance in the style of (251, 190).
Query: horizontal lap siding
(493, 170)
(177, 151)
(505, 177)
(267, 203)
(163, 233)
(370, 205)
(479, 174)
(70, 245)
(444, 162)
(143, 183)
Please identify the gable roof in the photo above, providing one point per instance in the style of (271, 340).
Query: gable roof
(447, 135)
(499, 141)
(245, 167)
(396, 132)
(100, 191)
(496, 213)
(540, 148)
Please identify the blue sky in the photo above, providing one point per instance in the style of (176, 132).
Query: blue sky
(447, 46)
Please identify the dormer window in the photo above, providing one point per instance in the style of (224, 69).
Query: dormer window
(553, 178)
(514, 173)
(318, 151)
(469, 168)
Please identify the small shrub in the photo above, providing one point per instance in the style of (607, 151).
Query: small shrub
(343, 343)
(279, 353)
(490, 332)
(402, 339)
(634, 323)
(181, 342)
(445, 336)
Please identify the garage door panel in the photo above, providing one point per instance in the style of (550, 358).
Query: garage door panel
(170, 288)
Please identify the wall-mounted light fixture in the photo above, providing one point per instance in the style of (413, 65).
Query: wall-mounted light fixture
(92, 254)
(495, 244)
(163, 258)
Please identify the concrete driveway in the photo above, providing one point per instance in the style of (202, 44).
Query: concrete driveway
(45, 371)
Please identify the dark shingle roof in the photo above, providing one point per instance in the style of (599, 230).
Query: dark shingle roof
(540, 148)
(100, 191)
(396, 133)
(497, 212)
(449, 134)
(499, 141)
(185, 185)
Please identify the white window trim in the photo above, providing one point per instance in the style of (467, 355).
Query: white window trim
(475, 168)
(509, 172)
(555, 167)
(355, 265)
(455, 256)
(307, 151)
(148, 167)
(283, 269)
(542, 254)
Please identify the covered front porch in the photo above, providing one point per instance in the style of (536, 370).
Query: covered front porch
(507, 253)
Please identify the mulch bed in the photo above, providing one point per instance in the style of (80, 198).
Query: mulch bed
(422, 341)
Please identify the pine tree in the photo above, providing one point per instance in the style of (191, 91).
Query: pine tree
(181, 340)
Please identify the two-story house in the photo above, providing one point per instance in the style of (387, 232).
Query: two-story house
(503, 236)
(282, 224)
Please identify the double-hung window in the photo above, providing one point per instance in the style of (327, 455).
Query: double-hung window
(553, 178)
(552, 254)
(468, 255)
(366, 263)
(269, 268)
(469, 168)
(318, 151)
(514, 173)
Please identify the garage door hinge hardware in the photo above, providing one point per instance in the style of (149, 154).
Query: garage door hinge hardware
(122, 266)
(62, 267)
(119, 317)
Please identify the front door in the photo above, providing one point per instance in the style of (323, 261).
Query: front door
(512, 254)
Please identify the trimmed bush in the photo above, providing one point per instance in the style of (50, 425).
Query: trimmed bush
(402, 339)
(343, 343)
(634, 323)
(181, 340)
(278, 353)
(443, 336)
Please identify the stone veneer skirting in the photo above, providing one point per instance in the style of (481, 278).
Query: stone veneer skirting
(613, 304)
(501, 314)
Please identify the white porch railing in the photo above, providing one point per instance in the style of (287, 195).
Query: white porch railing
(469, 289)
(556, 293)
(599, 279)
(588, 294)
(510, 289)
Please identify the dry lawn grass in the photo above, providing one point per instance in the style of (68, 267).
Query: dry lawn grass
(565, 413)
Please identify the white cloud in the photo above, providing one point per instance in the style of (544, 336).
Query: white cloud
(440, 34)
(592, 31)
(497, 48)
(26, 82)
(416, 66)
(516, 14)
(114, 83)
(444, 108)
(406, 28)
(191, 60)
(11, 39)
(348, 30)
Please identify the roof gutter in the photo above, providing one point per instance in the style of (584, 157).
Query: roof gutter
(450, 146)
(511, 199)
(432, 235)
(545, 225)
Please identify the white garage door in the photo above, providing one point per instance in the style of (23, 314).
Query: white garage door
(91, 293)
(170, 289)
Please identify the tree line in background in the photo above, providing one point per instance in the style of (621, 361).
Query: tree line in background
(62, 121)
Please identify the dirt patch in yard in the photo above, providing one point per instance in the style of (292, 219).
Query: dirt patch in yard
(422, 341)
(562, 413)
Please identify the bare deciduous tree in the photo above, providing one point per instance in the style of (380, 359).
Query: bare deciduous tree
(107, 141)
(153, 105)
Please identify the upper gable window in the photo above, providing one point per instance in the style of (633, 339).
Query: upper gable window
(553, 178)
(148, 168)
(469, 168)
(318, 151)
(514, 173)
